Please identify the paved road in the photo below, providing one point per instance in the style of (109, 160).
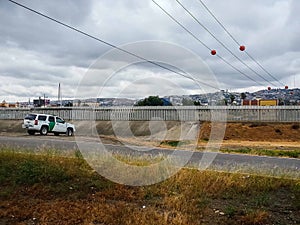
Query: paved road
(217, 161)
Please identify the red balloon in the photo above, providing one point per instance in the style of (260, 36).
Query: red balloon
(269, 88)
(213, 52)
(286, 87)
(242, 48)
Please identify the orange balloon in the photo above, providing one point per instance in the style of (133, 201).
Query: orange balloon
(242, 48)
(213, 52)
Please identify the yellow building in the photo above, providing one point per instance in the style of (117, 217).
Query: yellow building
(270, 102)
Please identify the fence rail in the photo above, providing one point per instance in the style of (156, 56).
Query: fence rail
(168, 113)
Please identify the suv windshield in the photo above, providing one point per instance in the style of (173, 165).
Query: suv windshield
(30, 117)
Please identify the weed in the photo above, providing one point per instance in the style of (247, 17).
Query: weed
(230, 211)
(257, 124)
(244, 150)
(295, 126)
(257, 217)
(266, 152)
(6, 191)
(139, 160)
(173, 143)
(278, 131)
(35, 171)
(78, 154)
(202, 203)
(296, 199)
(262, 199)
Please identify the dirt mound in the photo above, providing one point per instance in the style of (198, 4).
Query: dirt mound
(255, 131)
(11, 126)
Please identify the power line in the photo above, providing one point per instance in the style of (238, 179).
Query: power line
(206, 46)
(112, 45)
(218, 21)
(182, 26)
(235, 40)
(220, 42)
(263, 68)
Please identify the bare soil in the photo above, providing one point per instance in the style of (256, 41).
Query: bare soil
(256, 132)
(271, 136)
(281, 136)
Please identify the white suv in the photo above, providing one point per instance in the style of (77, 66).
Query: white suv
(47, 123)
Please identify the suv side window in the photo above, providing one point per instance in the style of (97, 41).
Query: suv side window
(51, 119)
(43, 118)
(59, 120)
(30, 117)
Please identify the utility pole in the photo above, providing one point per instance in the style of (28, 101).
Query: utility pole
(59, 98)
(44, 101)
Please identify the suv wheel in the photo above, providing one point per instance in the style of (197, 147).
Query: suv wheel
(69, 132)
(44, 130)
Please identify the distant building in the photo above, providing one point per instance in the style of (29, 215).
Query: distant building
(166, 101)
(260, 102)
(5, 104)
(269, 102)
(41, 102)
(250, 102)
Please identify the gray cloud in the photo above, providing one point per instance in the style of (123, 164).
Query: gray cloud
(37, 54)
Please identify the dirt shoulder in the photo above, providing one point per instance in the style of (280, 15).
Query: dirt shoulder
(258, 132)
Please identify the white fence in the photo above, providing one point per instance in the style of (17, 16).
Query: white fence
(168, 113)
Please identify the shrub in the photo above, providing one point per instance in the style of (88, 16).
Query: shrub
(34, 171)
(278, 131)
(257, 124)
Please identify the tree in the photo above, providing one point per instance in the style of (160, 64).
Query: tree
(69, 104)
(150, 101)
(232, 98)
(243, 96)
(187, 101)
(197, 103)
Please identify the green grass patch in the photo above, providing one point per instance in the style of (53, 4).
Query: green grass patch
(265, 152)
(51, 170)
(33, 171)
(174, 143)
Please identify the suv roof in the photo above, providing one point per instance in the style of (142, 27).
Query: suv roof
(38, 114)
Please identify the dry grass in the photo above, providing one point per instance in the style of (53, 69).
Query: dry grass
(51, 189)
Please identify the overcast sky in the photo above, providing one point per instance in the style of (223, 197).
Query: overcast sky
(37, 54)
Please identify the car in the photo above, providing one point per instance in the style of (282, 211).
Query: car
(44, 124)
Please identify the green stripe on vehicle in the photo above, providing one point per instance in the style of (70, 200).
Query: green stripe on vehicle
(51, 125)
